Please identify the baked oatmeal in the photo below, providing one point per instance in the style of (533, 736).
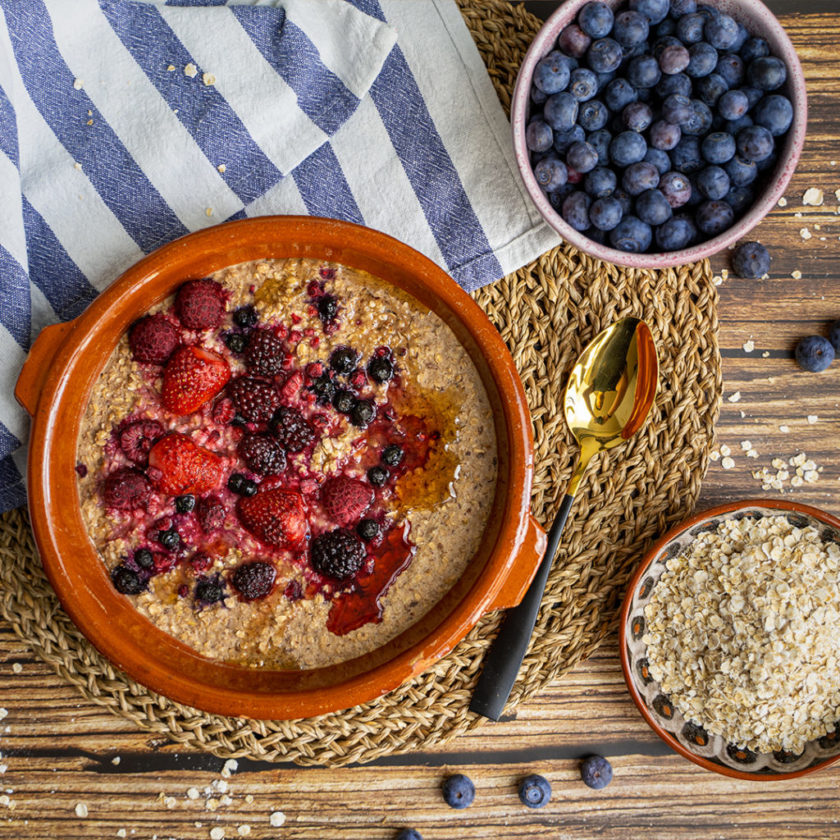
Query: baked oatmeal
(287, 464)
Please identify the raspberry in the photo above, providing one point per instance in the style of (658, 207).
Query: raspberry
(262, 455)
(265, 353)
(223, 411)
(338, 554)
(210, 513)
(127, 581)
(254, 580)
(153, 339)
(253, 399)
(291, 429)
(126, 488)
(200, 304)
(137, 439)
(345, 499)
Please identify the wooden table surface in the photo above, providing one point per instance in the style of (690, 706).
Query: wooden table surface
(63, 757)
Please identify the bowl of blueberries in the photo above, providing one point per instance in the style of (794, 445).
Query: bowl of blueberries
(653, 133)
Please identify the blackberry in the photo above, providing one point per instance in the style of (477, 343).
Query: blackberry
(262, 455)
(255, 401)
(343, 401)
(291, 429)
(127, 581)
(380, 369)
(245, 316)
(327, 308)
(392, 455)
(362, 414)
(209, 591)
(170, 539)
(242, 485)
(143, 558)
(344, 360)
(337, 554)
(236, 342)
(254, 580)
(324, 388)
(368, 529)
(265, 353)
(184, 504)
(377, 476)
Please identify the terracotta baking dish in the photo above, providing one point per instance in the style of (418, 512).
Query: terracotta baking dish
(54, 387)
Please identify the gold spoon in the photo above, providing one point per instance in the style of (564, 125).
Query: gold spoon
(608, 396)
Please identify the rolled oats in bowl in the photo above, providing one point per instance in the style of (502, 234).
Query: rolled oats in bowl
(742, 630)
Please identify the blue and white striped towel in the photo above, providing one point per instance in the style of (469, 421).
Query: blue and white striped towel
(126, 124)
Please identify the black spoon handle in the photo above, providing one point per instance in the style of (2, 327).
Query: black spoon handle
(503, 660)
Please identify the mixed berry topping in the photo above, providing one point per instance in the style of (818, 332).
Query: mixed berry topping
(210, 513)
(241, 485)
(209, 591)
(327, 308)
(337, 554)
(392, 455)
(277, 517)
(191, 378)
(126, 489)
(245, 317)
(181, 466)
(265, 353)
(377, 476)
(127, 581)
(254, 580)
(345, 499)
(362, 413)
(200, 304)
(293, 432)
(185, 504)
(254, 400)
(153, 339)
(368, 529)
(344, 360)
(262, 455)
(380, 369)
(137, 439)
(144, 558)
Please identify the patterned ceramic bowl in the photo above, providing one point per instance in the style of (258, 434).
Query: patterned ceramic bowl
(688, 739)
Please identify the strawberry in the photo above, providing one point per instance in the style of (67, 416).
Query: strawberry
(276, 517)
(200, 304)
(192, 377)
(345, 499)
(181, 466)
(153, 339)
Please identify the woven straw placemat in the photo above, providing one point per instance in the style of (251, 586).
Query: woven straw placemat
(546, 313)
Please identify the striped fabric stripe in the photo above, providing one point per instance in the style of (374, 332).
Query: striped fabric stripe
(15, 313)
(12, 491)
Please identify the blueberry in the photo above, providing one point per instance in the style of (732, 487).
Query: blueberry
(690, 28)
(834, 336)
(458, 791)
(534, 791)
(743, 34)
(600, 141)
(676, 188)
(713, 182)
(625, 199)
(701, 119)
(557, 197)
(643, 71)
(775, 113)
(741, 172)
(753, 94)
(678, 83)
(768, 163)
(674, 59)
(637, 116)
(592, 115)
(755, 143)
(662, 44)
(751, 260)
(561, 111)
(740, 199)
(733, 105)
(408, 834)
(814, 353)
(582, 157)
(677, 233)
(628, 147)
(632, 235)
(573, 41)
(683, 7)
(718, 147)
(551, 75)
(653, 10)
(538, 136)
(703, 60)
(245, 316)
(343, 401)
(767, 73)
(754, 48)
(618, 94)
(600, 182)
(551, 173)
(377, 476)
(653, 208)
(686, 156)
(639, 177)
(710, 88)
(731, 68)
(677, 109)
(604, 55)
(664, 135)
(596, 772)
(583, 84)
(630, 29)
(538, 96)
(605, 213)
(236, 342)
(344, 360)
(596, 19)
(721, 32)
(362, 414)
(564, 139)
(127, 582)
(667, 27)
(184, 504)
(144, 558)
(368, 529)
(575, 210)
(240, 484)
(714, 217)
(169, 539)
(659, 159)
(734, 126)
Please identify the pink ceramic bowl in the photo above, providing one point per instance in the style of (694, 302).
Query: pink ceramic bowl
(759, 20)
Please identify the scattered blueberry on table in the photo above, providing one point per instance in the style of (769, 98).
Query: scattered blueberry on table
(458, 791)
(751, 260)
(834, 337)
(534, 791)
(814, 353)
(655, 126)
(409, 834)
(596, 771)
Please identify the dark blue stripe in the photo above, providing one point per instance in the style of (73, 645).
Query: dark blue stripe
(202, 110)
(321, 95)
(369, 7)
(195, 2)
(15, 301)
(8, 129)
(12, 491)
(52, 270)
(323, 187)
(8, 441)
(239, 214)
(108, 165)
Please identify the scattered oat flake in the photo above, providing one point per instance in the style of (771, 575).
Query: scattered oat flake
(211, 804)
(752, 453)
(208, 79)
(90, 122)
(221, 167)
(796, 274)
(812, 197)
(226, 800)
(217, 833)
(277, 819)
(249, 798)
(81, 809)
(784, 429)
(193, 793)
(17, 667)
(714, 455)
(812, 418)
(230, 766)
(765, 354)
(805, 233)
(735, 397)
(209, 211)
(4, 800)
(243, 830)
(170, 801)
(77, 165)
(78, 84)
(717, 280)
(725, 450)
(727, 463)
(3, 713)
(782, 202)
(116, 760)
(191, 70)
(3, 768)
(749, 346)
(745, 445)
(122, 833)
(171, 67)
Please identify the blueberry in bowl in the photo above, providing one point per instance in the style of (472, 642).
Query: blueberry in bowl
(712, 93)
